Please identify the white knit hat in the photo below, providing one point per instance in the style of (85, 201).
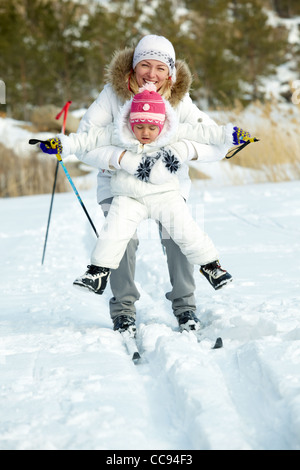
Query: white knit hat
(156, 48)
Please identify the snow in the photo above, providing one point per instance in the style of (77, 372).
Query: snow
(291, 24)
(14, 135)
(66, 380)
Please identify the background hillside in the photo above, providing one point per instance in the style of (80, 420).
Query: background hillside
(51, 51)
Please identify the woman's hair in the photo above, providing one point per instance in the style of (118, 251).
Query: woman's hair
(165, 89)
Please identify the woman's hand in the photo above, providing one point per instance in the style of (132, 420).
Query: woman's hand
(52, 146)
(241, 137)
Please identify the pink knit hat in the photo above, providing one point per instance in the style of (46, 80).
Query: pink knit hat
(148, 107)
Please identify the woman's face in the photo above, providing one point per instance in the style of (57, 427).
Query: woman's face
(152, 71)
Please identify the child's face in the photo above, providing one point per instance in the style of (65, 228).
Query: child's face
(145, 133)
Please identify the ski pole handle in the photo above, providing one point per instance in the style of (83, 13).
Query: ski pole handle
(37, 141)
(53, 143)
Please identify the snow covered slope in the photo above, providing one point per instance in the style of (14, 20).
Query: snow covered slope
(66, 380)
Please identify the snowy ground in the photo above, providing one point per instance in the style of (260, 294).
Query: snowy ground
(66, 381)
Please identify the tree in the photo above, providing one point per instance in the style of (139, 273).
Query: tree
(286, 8)
(14, 53)
(235, 48)
(216, 70)
(54, 51)
(253, 44)
(40, 52)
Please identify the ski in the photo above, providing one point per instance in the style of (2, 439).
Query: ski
(190, 323)
(131, 346)
(218, 344)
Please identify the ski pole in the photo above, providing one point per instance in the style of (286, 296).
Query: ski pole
(50, 211)
(65, 111)
(53, 143)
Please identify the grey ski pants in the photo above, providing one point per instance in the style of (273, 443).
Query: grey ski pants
(123, 287)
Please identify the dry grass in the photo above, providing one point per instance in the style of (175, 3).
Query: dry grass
(277, 155)
(194, 174)
(20, 176)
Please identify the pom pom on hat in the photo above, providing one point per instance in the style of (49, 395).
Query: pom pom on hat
(156, 48)
(148, 107)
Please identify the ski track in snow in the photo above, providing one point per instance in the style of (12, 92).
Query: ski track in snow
(66, 380)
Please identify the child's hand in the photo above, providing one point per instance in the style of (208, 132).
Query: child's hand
(132, 163)
(143, 166)
(169, 161)
(157, 167)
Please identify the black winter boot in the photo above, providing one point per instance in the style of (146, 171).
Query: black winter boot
(125, 323)
(188, 321)
(94, 279)
(216, 276)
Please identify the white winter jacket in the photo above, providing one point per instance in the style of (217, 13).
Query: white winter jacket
(119, 133)
(123, 183)
(105, 111)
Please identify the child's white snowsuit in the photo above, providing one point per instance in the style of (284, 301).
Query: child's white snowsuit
(135, 200)
(170, 209)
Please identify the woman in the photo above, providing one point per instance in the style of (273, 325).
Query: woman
(153, 60)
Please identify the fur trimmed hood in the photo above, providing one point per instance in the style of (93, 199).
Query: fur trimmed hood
(121, 64)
